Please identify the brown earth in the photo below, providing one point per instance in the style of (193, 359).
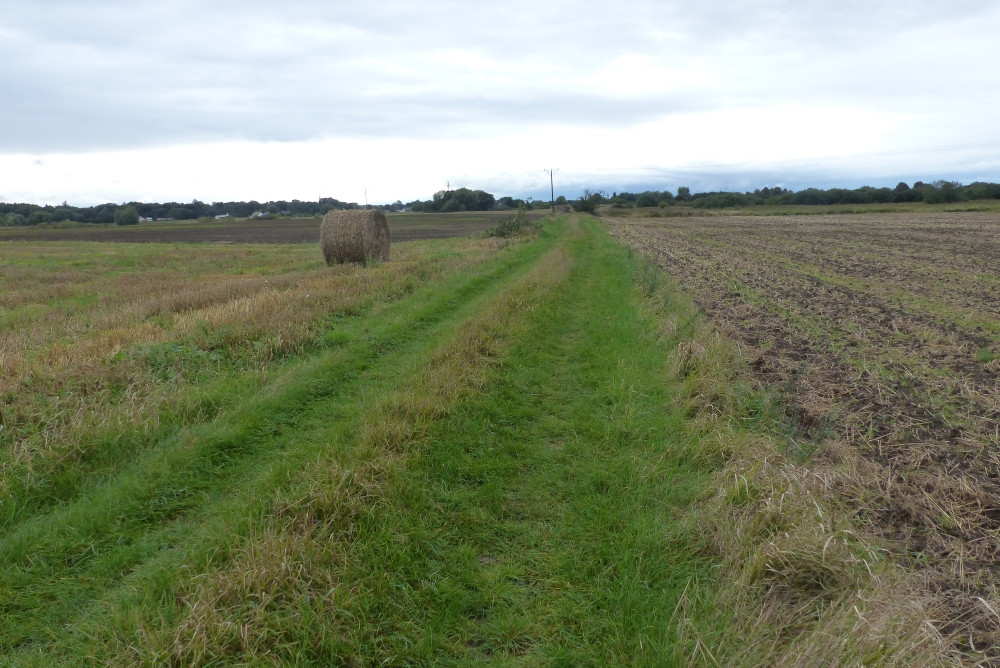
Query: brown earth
(403, 227)
(880, 333)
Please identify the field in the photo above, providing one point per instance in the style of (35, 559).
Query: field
(402, 226)
(533, 450)
(881, 334)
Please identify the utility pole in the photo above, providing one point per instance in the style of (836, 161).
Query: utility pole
(552, 188)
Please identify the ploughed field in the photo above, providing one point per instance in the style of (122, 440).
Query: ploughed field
(402, 226)
(881, 333)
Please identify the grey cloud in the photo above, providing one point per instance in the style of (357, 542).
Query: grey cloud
(111, 74)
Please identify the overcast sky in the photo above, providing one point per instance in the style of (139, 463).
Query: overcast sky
(215, 100)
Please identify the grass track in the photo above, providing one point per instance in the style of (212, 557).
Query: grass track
(61, 548)
(490, 471)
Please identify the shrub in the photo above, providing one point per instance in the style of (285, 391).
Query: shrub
(587, 202)
(127, 216)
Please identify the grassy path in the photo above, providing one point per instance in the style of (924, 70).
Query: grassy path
(489, 471)
(561, 488)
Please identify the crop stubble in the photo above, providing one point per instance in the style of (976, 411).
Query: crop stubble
(881, 332)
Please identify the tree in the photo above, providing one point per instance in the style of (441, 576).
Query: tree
(181, 213)
(683, 193)
(127, 215)
(105, 213)
(66, 213)
(587, 202)
(940, 192)
(648, 198)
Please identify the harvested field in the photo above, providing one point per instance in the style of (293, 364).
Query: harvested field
(403, 227)
(881, 333)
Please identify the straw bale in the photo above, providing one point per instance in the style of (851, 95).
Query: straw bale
(355, 235)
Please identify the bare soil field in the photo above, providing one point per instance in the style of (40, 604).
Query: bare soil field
(403, 227)
(881, 333)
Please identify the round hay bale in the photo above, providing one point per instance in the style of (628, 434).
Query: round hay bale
(355, 235)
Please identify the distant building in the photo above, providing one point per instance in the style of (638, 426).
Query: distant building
(257, 214)
(221, 216)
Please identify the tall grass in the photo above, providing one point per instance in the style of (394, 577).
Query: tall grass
(801, 582)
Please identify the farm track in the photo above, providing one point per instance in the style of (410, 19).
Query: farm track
(881, 332)
(60, 555)
(489, 468)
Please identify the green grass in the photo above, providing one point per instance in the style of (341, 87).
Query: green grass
(502, 465)
(531, 515)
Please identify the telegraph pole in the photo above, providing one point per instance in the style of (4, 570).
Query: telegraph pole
(552, 188)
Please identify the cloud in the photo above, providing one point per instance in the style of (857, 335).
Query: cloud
(638, 84)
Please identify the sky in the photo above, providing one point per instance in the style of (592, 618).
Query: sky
(219, 100)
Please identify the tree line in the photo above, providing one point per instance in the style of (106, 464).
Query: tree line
(461, 199)
(937, 192)
(465, 199)
(129, 213)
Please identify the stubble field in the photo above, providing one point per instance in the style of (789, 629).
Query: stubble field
(881, 334)
(403, 227)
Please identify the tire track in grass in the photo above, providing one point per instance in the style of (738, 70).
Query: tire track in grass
(518, 498)
(29, 487)
(390, 412)
(54, 563)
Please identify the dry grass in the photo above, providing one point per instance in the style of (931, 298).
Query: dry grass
(819, 563)
(300, 554)
(96, 338)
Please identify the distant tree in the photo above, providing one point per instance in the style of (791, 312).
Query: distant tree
(104, 213)
(901, 187)
(683, 193)
(648, 198)
(588, 202)
(181, 213)
(941, 192)
(720, 200)
(981, 190)
(127, 215)
(561, 199)
(66, 213)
